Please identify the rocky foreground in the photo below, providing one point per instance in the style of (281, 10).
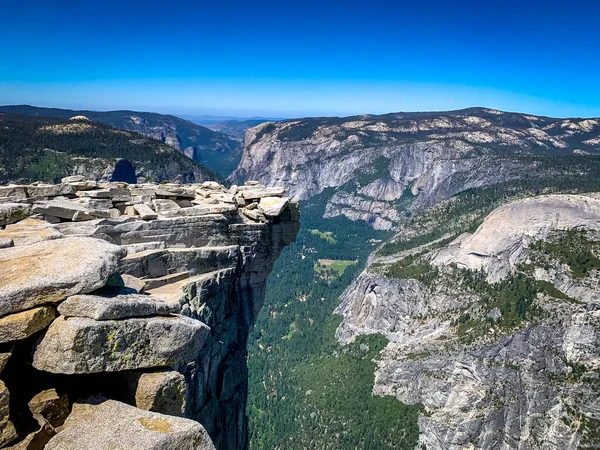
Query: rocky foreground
(127, 308)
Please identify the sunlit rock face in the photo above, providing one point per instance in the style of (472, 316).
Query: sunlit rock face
(374, 165)
(498, 243)
(147, 293)
(485, 383)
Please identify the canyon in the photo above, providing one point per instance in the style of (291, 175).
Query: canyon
(484, 286)
(449, 261)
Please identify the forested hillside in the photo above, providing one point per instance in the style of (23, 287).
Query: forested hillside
(217, 151)
(47, 149)
(305, 389)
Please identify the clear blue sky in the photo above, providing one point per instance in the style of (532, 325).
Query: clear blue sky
(302, 57)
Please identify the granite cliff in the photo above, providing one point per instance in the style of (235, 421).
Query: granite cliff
(494, 333)
(377, 164)
(486, 286)
(127, 310)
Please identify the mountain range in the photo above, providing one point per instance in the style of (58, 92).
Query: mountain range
(375, 163)
(47, 149)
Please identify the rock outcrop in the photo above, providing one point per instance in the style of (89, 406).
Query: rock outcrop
(118, 345)
(498, 243)
(91, 426)
(144, 294)
(366, 167)
(524, 381)
(49, 271)
(161, 391)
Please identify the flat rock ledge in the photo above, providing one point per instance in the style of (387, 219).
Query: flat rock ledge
(119, 307)
(113, 425)
(91, 346)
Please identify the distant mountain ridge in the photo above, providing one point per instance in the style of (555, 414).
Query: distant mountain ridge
(374, 162)
(215, 150)
(47, 149)
(236, 128)
(208, 119)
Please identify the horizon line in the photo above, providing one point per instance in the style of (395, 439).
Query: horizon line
(225, 116)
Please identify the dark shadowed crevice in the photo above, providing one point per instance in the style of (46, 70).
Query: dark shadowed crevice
(124, 171)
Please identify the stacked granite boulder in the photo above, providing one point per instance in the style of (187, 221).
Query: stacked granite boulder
(129, 281)
(78, 200)
(44, 290)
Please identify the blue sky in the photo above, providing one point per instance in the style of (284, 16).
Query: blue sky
(295, 58)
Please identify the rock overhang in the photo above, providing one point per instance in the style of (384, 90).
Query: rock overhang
(81, 259)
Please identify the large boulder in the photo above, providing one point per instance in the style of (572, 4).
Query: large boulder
(113, 425)
(49, 408)
(168, 190)
(161, 205)
(255, 193)
(94, 203)
(254, 214)
(50, 190)
(29, 231)
(162, 392)
(118, 307)
(50, 271)
(273, 206)
(13, 192)
(65, 209)
(21, 325)
(145, 212)
(13, 212)
(95, 193)
(7, 429)
(90, 346)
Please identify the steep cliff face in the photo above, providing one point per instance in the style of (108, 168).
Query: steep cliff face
(147, 294)
(490, 313)
(378, 163)
(494, 333)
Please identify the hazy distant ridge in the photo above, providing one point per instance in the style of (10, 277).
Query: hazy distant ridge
(215, 150)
